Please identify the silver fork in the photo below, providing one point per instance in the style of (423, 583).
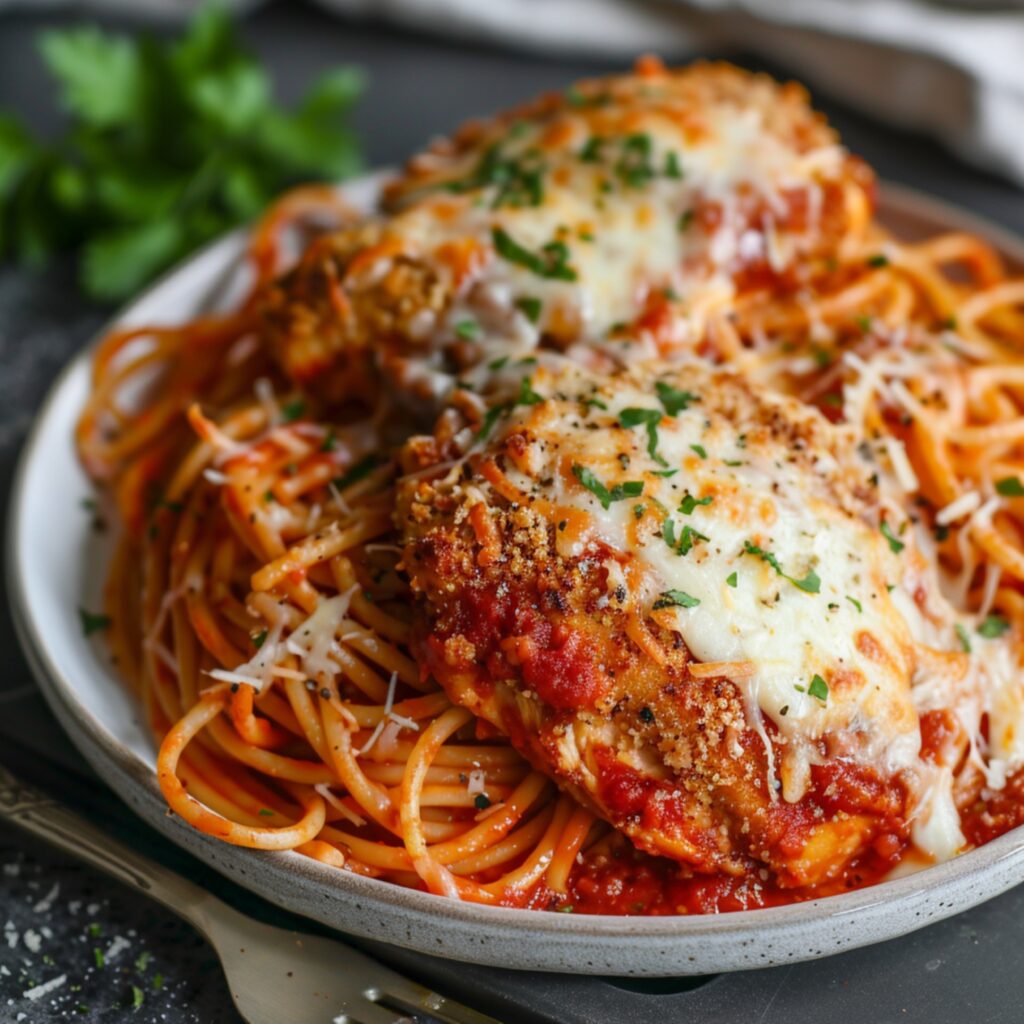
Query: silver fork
(275, 975)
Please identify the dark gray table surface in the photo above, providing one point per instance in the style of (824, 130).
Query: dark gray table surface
(56, 914)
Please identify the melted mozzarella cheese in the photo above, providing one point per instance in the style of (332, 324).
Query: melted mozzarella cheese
(785, 574)
(664, 191)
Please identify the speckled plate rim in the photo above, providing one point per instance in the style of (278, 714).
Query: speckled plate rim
(51, 568)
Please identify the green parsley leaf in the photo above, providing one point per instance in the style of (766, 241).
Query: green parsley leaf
(818, 688)
(498, 364)
(811, 583)
(291, 411)
(359, 471)
(700, 450)
(674, 400)
(685, 220)
(856, 604)
(993, 626)
(169, 143)
(731, 580)
(965, 640)
(137, 997)
(259, 639)
(683, 544)
(468, 329)
(675, 599)
(551, 262)
(266, 812)
(330, 442)
(93, 622)
(629, 489)
(490, 418)
(100, 75)
(1010, 487)
(97, 956)
(650, 418)
(530, 307)
(895, 544)
(527, 396)
(878, 260)
(689, 503)
(672, 166)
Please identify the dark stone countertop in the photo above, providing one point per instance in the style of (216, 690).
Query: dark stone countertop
(57, 914)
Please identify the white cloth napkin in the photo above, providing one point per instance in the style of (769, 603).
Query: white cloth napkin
(951, 68)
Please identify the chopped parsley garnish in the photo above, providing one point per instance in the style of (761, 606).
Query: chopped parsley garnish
(527, 396)
(895, 544)
(519, 180)
(329, 443)
(552, 261)
(676, 599)
(498, 364)
(481, 801)
(266, 812)
(700, 450)
(650, 418)
(137, 997)
(1010, 487)
(634, 168)
(259, 639)
(731, 580)
(629, 489)
(468, 329)
(965, 640)
(591, 151)
(949, 324)
(993, 626)
(822, 357)
(864, 323)
(672, 166)
(685, 220)
(93, 622)
(682, 544)
(490, 418)
(818, 688)
(530, 307)
(291, 411)
(596, 403)
(689, 503)
(638, 511)
(674, 400)
(878, 260)
(856, 604)
(358, 472)
(97, 956)
(811, 583)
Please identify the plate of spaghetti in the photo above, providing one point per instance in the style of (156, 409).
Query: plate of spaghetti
(597, 547)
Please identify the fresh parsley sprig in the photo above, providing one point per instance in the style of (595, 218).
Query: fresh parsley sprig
(169, 144)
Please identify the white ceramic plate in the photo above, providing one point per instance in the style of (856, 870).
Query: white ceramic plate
(55, 564)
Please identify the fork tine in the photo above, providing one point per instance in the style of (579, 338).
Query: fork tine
(370, 1012)
(407, 997)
